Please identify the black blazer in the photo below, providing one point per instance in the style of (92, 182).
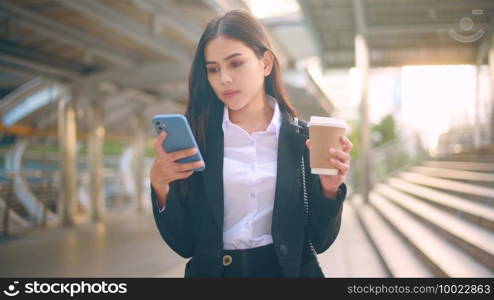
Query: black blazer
(193, 225)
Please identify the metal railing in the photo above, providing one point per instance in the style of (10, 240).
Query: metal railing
(462, 138)
(45, 185)
(388, 159)
(14, 213)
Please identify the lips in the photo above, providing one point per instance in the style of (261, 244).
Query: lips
(230, 93)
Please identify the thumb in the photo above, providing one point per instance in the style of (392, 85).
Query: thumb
(163, 135)
(158, 144)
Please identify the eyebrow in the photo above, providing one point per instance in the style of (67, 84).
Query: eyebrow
(227, 58)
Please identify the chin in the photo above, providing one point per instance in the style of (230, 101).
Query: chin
(234, 105)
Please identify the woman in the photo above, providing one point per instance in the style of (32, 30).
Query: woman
(243, 216)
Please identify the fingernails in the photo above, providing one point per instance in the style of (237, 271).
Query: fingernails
(332, 150)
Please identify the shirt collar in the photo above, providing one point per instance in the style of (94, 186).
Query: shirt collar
(275, 123)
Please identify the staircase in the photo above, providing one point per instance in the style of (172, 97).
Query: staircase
(14, 217)
(436, 219)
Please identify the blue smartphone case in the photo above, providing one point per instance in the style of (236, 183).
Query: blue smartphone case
(179, 136)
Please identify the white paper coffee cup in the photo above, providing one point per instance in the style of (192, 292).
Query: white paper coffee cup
(324, 133)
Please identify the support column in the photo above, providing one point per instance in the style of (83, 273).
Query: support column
(491, 71)
(67, 206)
(362, 63)
(96, 140)
(478, 126)
(138, 146)
(483, 54)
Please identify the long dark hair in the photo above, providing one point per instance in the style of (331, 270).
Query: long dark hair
(204, 106)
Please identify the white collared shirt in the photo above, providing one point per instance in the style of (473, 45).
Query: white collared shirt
(249, 182)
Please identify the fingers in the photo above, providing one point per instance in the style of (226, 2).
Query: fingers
(174, 156)
(340, 165)
(307, 143)
(183, 167)
(158, 144)
(347, 144)
(186, 174)
(343, 156)
(165, 167)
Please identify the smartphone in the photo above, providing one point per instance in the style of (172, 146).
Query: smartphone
(179, 136)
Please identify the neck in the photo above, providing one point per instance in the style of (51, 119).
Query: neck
(255, 116)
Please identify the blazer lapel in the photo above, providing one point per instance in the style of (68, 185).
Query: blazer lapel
(291, 145)
(213, 174)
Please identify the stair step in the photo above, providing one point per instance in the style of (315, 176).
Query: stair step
(455, 174)
(17, 206)
(442, 255)
(468, 157)
(469, 166)
(478, 241)
(448, 184)
(484, 215)
(400, 260)
(16, 222)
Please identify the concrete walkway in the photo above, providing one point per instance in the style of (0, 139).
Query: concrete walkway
(129, 245)
(351, 255)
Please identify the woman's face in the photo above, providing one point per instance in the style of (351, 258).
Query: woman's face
(234, 72)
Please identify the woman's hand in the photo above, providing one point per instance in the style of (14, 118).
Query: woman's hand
(165, 170)
(341, 161)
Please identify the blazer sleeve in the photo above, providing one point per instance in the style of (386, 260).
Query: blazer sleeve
(174, 222)
(325, 216)
(324, 213)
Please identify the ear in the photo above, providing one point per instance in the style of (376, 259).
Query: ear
(268, 61)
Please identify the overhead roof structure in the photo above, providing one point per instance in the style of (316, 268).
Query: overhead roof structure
(400, 32)
(136, 53)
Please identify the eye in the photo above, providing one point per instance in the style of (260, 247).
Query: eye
(212, 70)
(236, 64)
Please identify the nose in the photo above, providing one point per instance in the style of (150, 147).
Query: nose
(225, 78)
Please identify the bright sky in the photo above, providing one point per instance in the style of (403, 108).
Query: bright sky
(273, 8)
(426, 99)
(436, 98)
